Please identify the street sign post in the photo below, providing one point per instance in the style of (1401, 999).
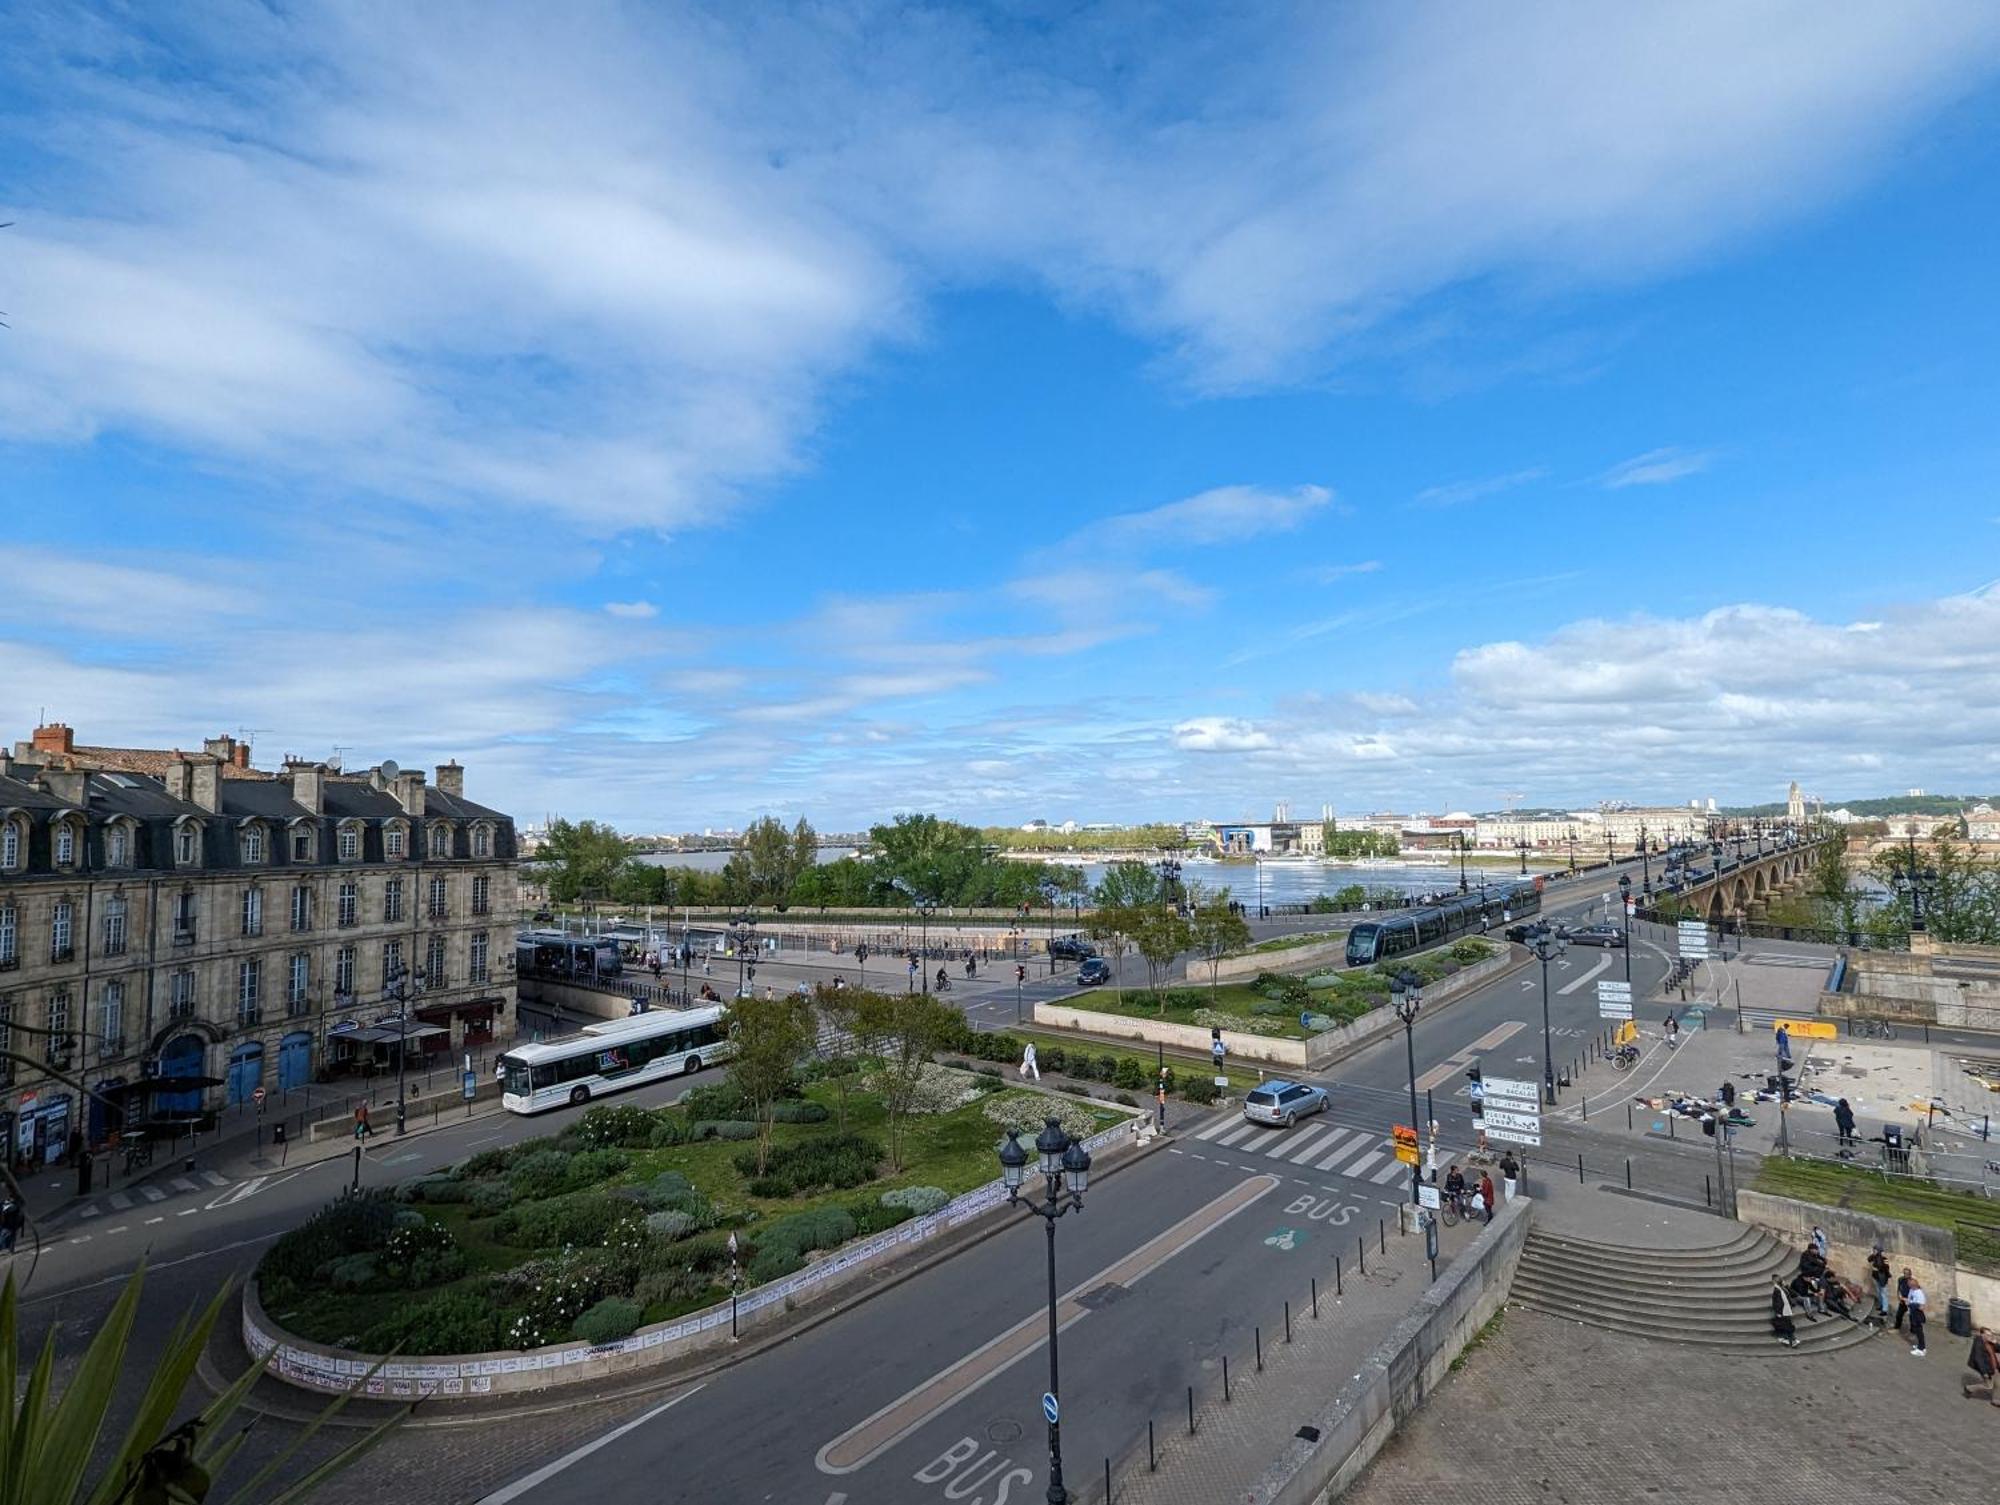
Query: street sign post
(1515, 1136)
(1406, 1144)
(1513, 1111)
(1520, 1123)
(1427, 1196)
(1499, 1086)
(1614, 1000)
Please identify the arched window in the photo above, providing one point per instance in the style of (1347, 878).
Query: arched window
(350, 842)
(118, 845)
(482, 841)
(187, 844)
(253, 845)
(440, 841)
(393, 837)
(65, 844)
(10, 844)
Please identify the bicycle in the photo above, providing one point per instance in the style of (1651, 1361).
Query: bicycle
(1456, 1208)
(1872, 1029)
(1624, 1057)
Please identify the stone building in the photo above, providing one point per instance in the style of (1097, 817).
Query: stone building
(186, 915)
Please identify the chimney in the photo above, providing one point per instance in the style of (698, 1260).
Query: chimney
(410, 791)
(67, 784)
(6, 764)
(309, 786)
(180, 778)
(451, 779)
(56, 737)
(207, 784)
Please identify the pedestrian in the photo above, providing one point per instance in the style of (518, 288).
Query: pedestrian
(1728, 1094)
(1819, 1243)
(1784, 1048)
(1878, 1272)
(1782, 1324)
(1984, 1362)
(1903, 1284)
(1510, 1174)
(1486, 1194)
(1917, 1301)
(1028, 1066)
(1160, 1096)
(1843, 1123)
(11, 1219)
(1673, 1030)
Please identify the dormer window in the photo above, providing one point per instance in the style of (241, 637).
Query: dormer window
(10, 845)
(118, 845)
(440, 841)
(392, 841)
(482, 841)
(187, 845)
(65, 845)
(350, 843)
(253, 845)
(302, 843)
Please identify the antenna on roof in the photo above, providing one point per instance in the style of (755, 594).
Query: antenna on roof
(333, 758)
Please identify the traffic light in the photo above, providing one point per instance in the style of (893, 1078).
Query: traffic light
(1020, 972)
(1476, 1090)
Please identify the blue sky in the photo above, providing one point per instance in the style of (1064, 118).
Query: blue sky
(1107, 411)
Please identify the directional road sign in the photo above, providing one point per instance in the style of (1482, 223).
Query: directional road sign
(1522, 1123)
(1614, 990)
(1515, 1136)
(1500, 1086)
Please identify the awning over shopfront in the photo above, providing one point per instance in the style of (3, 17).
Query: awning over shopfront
(385, 1034)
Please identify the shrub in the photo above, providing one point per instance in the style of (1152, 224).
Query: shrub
(433, 1188)
(722, 1128)
(1055, 1058)
(920, 1200)
(670, 1287)
(1184, 998)
(593, 1166)
(669, 1190)
(544, 1173)
(490, 1197)
(871, 1216)
(1200, 1089)
(610, 1128)
(799, 1111)
(583, 1221)
(831, 1162)
(1125, 1099)
(448, 1322)
(351, 1272)
(1105, 1069)
(1129, 1073)
(357, 1224)
(986, 1069)
(1026, 1110)
(715, 1100)
(611, 1319)
(671, 1224)
(935, 1089)
(669, 1130)
(783, 1244)
(493, 1162)
(707, 1252)
(1248, 1024)
(426, 1255)
(553, 1306)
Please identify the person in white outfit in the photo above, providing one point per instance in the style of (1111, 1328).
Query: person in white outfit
(1028, 1066)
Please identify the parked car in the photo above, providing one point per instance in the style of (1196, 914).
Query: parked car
(1597, 935)
(1283, 1102)
(1094, 972)
(1071, 948)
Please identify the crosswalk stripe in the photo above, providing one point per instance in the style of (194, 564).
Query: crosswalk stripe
(1219, 1126)
(1318, 1143)
(1363, 1163)
(121, 1200)
(1287, 1142)
(215, 1178)
(1245, 1127)
(183, 1183)
(1390, 1172)
(152, 1194)
(1359, 1142)
(90, 1211)
(1340, 1134)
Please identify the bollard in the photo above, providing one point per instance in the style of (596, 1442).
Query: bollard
(1107, 1481)
(1361, 1253)
(1225, 1378)
(1152, 1458)
(1382, 1233)
(1190, 1410)
(1315, 1286)
(1288, 1322)
(1430, 1113)
(1586, 1108)
(1628, 1115)
(1628, 1173)
(732, 1314)
(1579, 1168)
(1707, 1193)
(1336, 1275)
(1257, 1335)
(1670, 1126)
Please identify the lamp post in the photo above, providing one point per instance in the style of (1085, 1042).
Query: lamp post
(1461, 860)
(1572, 851)
(1625, 903)
(1646, 859)
(742, 935)
(1258, 863)
(1914, 883)
(1547, 945)
(1049, 892)
(1065, 1168)
(1406, 996)
(402, 986)
(1523, 845)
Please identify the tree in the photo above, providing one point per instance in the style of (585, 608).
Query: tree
(905, 1030)
(1961, 893)
(837, 1017)
(1215, 931)
(769, 861)
(49, 1433)
(583, 859)
(1161, 935)
(1125, 896)
(769, 1036)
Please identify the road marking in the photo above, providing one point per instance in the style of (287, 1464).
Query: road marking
(213, 1178)
(183, 1183)
(1362, 1164)
(1360, 1142)
(151, 1221)
(868, 1439)
(1218, 1126)
(90, 1211)
(122, 1227)
(548, 1471)
(120, 1279)
(83, 1240)
(1315, 1147)
(1603, 961)
(1242, 1128)
(121, 1200)
(187, 1212)
(1498, 1035)
(1288, 1143)
(152, 1194)
(1389, 1173)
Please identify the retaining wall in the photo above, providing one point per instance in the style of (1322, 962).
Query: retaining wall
(1400, 1375)
(1290, 959)
(323, 1367)
(1931, 1252)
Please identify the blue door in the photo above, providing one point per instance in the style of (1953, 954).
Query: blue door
(184, 1056)
(294, 1060)
(246, 1071)
(107, 1109)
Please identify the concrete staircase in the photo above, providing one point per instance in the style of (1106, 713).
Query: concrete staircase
(1716, 1298)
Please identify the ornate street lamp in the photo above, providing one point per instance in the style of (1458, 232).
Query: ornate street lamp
(1406, 996)
(1547, 945)
(1625, 904)
(1065, 1169)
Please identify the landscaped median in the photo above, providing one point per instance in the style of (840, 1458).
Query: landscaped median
(1277, 1019)
(606, 1248)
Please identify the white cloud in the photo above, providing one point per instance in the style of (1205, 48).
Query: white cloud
(1328, 574)
(1656, 467)
(1220, 734)
(632, 610)
(1460, 492)
(1224, 515)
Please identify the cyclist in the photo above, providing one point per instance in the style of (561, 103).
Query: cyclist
(1454, 1188)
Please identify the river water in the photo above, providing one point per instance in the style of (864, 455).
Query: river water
(1284, 881)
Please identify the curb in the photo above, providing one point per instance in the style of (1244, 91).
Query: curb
(229, 1336)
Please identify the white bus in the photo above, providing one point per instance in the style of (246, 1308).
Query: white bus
(612, 1056)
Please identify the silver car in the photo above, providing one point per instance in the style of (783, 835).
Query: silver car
(1283, 1102)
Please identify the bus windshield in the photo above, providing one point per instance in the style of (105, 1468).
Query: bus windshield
(516, 1081)
(1361, 945)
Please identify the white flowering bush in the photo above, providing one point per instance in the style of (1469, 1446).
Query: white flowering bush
(1026, 1110)
(937, 1089)
(1248, 1024)
(921, 1200)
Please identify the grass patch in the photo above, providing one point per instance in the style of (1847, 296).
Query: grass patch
(1477, 1340)
(1293, 942)
(1973, 1221)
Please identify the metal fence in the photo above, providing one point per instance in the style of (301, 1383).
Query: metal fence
(1940, 1148)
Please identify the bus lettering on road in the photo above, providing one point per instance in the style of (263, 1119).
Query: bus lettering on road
(960, 1472)
(1323, 1210)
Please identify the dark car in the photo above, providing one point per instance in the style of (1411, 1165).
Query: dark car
(1597, 935)
(1071, 948)
(1095, 970)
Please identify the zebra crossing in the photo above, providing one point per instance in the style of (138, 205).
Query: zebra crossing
(124, 1201)
(1321, 1146)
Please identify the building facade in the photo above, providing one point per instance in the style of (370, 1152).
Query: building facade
(187, 916)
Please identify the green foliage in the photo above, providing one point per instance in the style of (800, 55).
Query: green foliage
(351, 1272)
(585, 1220)
(359, 1224)
(1200, 1089)
(871, 1216)
(919, 1200)
(671, 1224)
(1144, 838)
(490, 1197)
(621, 1127)
(769, 861)
(457, 1321)
(58, 1446)
(799, 1111)
(782, 1245)
(551, 1172)
(831, 1162)
(722, 1128)
(1349, 845)
(770, 1037)
(434, 1188)
(582, 859)
(425, 1255)
(1055, 1058)
(611, 1319)
(722, 1099)
(1128, 1073)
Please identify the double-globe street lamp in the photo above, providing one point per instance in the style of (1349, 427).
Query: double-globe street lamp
(1406, 995)
(743, 936)
(1065, 1168)
(402, 987)
(1547, 945)
(1914, 883)
(1625, 904)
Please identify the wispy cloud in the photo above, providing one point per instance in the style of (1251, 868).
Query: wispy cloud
(1656, 467)
(1327, 574)
(632, 610)
(1224, 515)
(1458, 493)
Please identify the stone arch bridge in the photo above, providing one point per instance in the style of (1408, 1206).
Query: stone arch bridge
(1738, 890)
